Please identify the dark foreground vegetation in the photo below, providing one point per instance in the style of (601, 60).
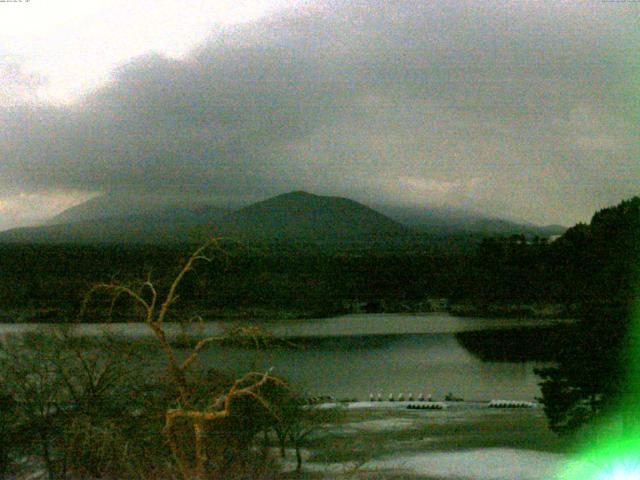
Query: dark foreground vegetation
(88, 408)
(595, 362)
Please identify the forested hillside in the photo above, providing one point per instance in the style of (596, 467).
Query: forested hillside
(493, 276)
(596, 365)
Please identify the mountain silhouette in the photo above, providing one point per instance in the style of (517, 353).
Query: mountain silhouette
(295, 216)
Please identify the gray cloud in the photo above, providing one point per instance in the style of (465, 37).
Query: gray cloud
(516, 108)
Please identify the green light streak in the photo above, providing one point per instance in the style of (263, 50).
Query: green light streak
(613, 448)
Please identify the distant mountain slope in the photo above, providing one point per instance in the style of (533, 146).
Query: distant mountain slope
(152, 228)
(102, 206)
(454, 221)
(165, 224)
(290, 216)
(295, 216)
(119, 205)
(302, 215)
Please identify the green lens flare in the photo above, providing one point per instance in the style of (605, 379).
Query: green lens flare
(615, 459)
(612, 451)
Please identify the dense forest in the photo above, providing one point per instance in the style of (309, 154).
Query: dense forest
(490, 276)
(594, 364)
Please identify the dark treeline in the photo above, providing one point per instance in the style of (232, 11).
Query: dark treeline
(592, 365)
(589, 263)
(540, 343)
(271, 278)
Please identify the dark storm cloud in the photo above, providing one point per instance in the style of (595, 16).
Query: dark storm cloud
(518, 108)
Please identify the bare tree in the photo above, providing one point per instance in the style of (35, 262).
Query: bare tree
(55, 384)
(298, 421)
(253, 394)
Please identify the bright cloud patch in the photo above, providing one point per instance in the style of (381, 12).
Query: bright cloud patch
(31, 208)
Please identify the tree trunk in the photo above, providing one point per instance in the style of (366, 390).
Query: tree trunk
(282, 440)
(265, 443)
(298, 458)
(51, 474)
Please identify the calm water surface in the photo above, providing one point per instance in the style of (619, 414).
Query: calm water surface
(354, 355)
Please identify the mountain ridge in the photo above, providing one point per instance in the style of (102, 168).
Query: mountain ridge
(296, 215)
(300, 214)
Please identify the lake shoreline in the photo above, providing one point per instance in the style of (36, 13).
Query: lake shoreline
(346, 357)
(269, 315)
(346, 325)
(453, 444)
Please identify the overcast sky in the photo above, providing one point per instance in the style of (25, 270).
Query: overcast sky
(523, 109)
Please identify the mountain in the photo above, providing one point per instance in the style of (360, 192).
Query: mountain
(159, 227)
(97, 221)
(445, 221)
(115, 218)
(302, 215)
(121, 205)
(291, 216)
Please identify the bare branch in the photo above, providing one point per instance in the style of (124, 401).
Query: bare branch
(222, 407)
(196, 350)
(117, 290)
(171, 296)
(154, 294)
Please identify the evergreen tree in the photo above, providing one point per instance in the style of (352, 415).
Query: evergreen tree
(601, 261)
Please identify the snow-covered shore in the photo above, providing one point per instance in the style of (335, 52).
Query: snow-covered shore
(476, 464)
(464, 440)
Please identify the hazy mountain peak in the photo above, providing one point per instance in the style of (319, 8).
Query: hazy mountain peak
(297, 193)
(304, 215)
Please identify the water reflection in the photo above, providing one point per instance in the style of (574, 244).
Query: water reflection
(356, 366)
(350, 357)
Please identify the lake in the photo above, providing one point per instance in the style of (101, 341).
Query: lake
(354, 355)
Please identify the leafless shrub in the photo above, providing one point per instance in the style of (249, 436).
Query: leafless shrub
(213, 436)
(56, 383)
